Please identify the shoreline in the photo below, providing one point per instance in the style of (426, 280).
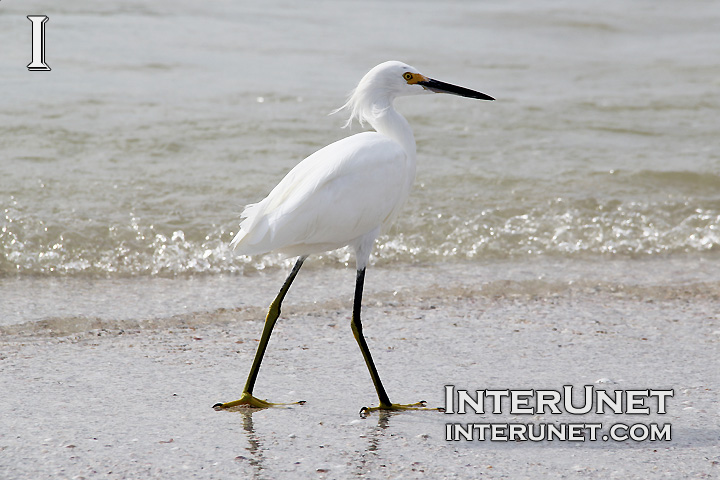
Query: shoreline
(49, 303)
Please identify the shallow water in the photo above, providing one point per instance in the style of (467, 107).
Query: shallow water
(65, 305)
(135, 154)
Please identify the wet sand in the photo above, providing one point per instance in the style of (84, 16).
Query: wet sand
(94, 396)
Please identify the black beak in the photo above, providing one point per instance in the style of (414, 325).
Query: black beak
(441, 87)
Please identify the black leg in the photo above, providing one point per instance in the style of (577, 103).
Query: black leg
(272, 316)
(356, 325)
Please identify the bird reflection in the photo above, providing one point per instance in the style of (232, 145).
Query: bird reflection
(364, 464)
(366, 459)
(256, 458)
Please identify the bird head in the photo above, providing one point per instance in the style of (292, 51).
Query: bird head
(382, 84)
(401, 79)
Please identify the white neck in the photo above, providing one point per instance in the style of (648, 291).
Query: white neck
(391, 124)
(387, 121)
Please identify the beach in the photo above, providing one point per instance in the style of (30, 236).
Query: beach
(133, 397)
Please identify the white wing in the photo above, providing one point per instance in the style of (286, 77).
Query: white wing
(331, 198)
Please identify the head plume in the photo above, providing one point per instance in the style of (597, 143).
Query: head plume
(375, 92)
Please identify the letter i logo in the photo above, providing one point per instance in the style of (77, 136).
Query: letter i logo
(38, 43)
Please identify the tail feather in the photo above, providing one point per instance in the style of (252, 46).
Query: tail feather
(251, 228)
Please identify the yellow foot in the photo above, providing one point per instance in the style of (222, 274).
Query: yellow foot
(395, 407)
(248, 401)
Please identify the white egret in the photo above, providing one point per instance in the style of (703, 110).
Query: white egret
(343, 194)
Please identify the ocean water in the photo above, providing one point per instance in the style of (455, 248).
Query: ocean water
(133, 157)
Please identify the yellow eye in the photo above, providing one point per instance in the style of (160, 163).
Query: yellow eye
(408, 76)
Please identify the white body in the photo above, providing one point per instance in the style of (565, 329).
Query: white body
(333, 198)
(347, 192)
